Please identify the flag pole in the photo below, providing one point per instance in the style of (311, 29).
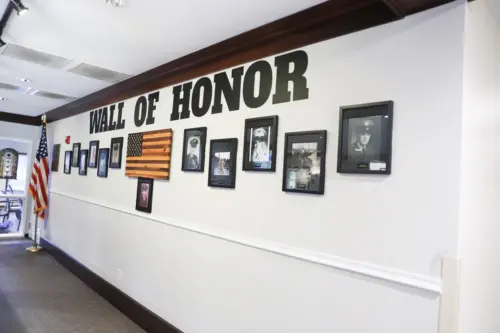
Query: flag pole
(35, 248)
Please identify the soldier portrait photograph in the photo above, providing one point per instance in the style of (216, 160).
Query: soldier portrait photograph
(365, 139)
(193, 151)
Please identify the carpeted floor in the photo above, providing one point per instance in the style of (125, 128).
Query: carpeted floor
(37, 295)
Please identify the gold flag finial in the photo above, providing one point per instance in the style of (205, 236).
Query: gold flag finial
(44, 118)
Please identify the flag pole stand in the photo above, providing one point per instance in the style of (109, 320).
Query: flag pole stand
(35, 248)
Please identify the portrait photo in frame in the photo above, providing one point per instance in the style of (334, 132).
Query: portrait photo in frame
(144, 197)
(222, 166)
(102, 164)
(193, 151)
(365, 138)
(68, 155)
(93, 151)
(304, 162)
(82, 169)
(116, 148)
(259, 147)
(75, 159)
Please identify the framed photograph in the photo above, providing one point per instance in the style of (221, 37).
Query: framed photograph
(102, 164)
(75, 160)
(67, 161)
(259, 148)
(222, 166)
(56, 151)
(365, 138)
(116, 153)
(304, 162)
(144, 199)
(93, 150)
(84, 156)
(193, 151)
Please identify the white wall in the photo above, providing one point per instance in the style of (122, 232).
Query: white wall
(479, 217)
(205, 262)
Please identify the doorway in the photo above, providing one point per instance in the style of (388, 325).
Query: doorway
(15, 157)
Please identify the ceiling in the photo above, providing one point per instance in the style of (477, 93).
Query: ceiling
(121, 42)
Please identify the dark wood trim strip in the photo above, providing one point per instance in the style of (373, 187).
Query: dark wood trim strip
(327, 20)
(20, 119)
(139, 314)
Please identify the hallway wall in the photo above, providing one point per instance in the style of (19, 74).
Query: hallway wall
(479, 246)
(258, 259)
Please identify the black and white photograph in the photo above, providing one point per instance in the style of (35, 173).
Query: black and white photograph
(365, 138)
(84, 155)
(193, 156)
(222, 169)
(67, 161)
(102, 166)
(56, 151)
(75, 160)
(116, 153)
(304, 163)
(144, 197)
(93, 150)
(259, 149)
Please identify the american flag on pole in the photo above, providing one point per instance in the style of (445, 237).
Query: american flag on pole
(40, 176)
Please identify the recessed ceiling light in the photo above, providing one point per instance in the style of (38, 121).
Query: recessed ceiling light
(23, 79)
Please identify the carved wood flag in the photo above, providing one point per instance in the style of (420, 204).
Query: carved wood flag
(148, 154)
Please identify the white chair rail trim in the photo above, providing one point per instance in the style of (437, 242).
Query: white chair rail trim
(408, 279)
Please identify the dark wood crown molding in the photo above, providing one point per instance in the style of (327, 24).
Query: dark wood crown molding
(330, 19)
(20, 119)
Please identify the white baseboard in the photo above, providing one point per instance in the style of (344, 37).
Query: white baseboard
(421, 282)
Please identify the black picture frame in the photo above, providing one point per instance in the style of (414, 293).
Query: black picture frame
(84, 156)
(302, 151)
(75, 159)
(265, 129)
(375, 119)
(68, 155)
(144, 196)
(103, 161)
(192, 135)
(225, 148)
(92, 159)
(115, 161)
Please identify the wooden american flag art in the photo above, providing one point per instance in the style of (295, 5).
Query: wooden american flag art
(148, 154)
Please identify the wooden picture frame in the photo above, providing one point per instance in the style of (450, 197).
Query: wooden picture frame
(84, 156)
(56, 153)
(365, 138)
(193, 149)
(144, 196)
(68, 155)
(305, 152)
(103, 161)
(93, 153)
(115, 150)
(75, 159)
(260, 144)
(222, 165)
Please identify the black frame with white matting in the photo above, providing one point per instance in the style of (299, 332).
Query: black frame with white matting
(82, 169)
(222, 153)
(260, 134)
(193, 148)
(365, 138)
(103, 161)
(114, 164)
(68, 161)
(139, 204)
(300, 163)
(92, 162)
(75, 160)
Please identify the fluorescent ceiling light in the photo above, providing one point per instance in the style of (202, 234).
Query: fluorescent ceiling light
(20, 8)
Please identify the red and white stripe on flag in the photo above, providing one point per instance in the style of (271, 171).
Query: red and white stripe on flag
(40, 176)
